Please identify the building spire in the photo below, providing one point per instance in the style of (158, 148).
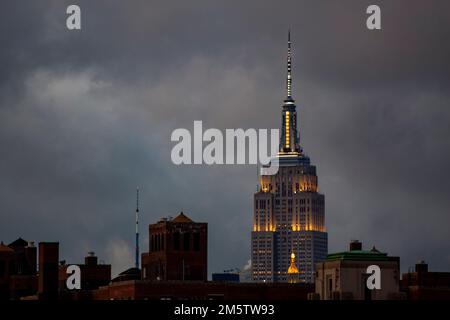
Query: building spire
(292, 267)
(293, 273)
(289, 69)
(289, 140)
(136, 262)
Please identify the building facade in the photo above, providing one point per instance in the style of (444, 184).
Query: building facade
(421, 284)
(343, 276)
(183, 291)
(18, 275)
(93, 274)
(177, 250)
(225, 277)
(289, 211)
(48, 282)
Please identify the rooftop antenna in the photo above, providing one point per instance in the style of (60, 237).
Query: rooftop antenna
(136, 262)
(289, 69)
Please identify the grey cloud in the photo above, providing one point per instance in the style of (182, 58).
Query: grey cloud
(85, 117)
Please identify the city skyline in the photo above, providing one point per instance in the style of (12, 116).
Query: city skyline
(86, 117)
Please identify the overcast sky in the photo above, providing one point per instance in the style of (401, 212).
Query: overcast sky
(86, 116)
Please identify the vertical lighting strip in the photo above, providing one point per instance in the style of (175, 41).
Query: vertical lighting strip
(288, 130)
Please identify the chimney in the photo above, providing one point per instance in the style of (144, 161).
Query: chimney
(31, 258)
(91, 259)
(355, 245)
(421, 267)
(48, 270)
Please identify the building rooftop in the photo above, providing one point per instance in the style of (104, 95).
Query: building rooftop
(182, 218)
(359, 255)
(129, 274)
(18, 243)
(4, 248)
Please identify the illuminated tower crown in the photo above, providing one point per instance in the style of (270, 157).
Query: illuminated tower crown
(289, 140)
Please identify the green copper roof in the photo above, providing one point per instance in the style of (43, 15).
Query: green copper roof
(359, 255)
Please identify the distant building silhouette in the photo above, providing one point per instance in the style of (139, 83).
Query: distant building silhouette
(201, 290)
(225, 277)
(48, 270)
(17, 269)
(93, 274)
(422, 284)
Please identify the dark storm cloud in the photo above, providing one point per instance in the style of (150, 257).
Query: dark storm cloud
(86, 116)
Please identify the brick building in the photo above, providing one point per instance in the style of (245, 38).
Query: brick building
(93, 274)
(17, 269)
(422, 284)
(177, 250)
(199, 290)
(48, 270)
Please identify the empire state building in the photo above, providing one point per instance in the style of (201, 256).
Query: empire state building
(289, 211)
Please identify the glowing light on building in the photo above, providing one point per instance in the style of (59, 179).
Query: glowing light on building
(288, 205)
(287, 128)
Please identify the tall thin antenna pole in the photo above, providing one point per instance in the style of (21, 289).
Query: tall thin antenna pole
(289, 68)
(136, 262)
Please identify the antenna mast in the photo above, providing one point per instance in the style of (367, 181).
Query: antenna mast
(136, 263)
